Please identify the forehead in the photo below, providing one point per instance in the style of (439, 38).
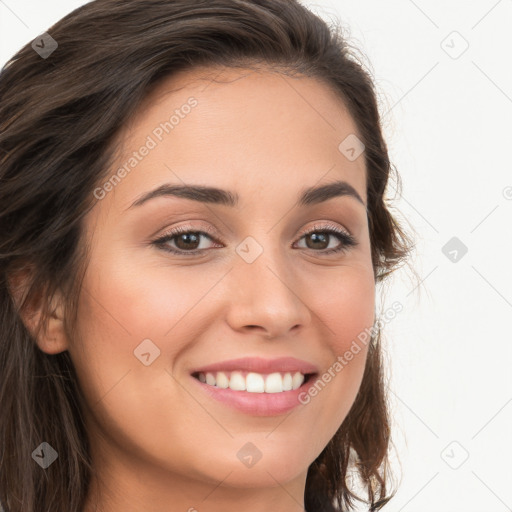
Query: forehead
(239, 129)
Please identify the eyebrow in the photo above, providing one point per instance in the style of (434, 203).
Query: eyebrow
(213, 195)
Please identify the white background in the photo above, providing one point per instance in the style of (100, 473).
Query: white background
(447, 119)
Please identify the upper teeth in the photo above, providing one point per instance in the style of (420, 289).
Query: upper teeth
(254, 382)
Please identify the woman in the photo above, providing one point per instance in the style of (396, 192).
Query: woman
(193, 226)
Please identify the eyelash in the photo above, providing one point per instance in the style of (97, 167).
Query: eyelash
(347, 240)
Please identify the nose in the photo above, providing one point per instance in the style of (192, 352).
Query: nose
(265, 297)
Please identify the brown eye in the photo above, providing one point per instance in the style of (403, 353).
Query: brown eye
(183, 240)
(187, 241)
(317, 241)
(319, 238)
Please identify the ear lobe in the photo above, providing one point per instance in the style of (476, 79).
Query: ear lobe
(51, 337)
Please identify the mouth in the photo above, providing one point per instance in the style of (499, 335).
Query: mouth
(265, 395)
(255, 385)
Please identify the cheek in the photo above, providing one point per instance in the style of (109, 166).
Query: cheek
(347, 313)
(123, 305)
(133, 404)
(347, 306)
(128, 301)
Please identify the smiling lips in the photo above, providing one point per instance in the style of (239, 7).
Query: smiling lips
(256, 386)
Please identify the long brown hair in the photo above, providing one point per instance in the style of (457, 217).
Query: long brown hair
(59, 117)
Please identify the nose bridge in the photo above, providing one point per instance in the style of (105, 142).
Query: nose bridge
(265, 293)
(262, 262)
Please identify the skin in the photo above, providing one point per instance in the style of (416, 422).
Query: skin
(158, 442)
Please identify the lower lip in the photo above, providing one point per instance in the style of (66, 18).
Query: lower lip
(258, 404)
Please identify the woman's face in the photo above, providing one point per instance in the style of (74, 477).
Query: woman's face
(255, 284)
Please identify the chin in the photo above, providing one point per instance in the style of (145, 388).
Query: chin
(272, 469)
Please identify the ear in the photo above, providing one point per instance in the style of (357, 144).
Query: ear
(51, 337)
